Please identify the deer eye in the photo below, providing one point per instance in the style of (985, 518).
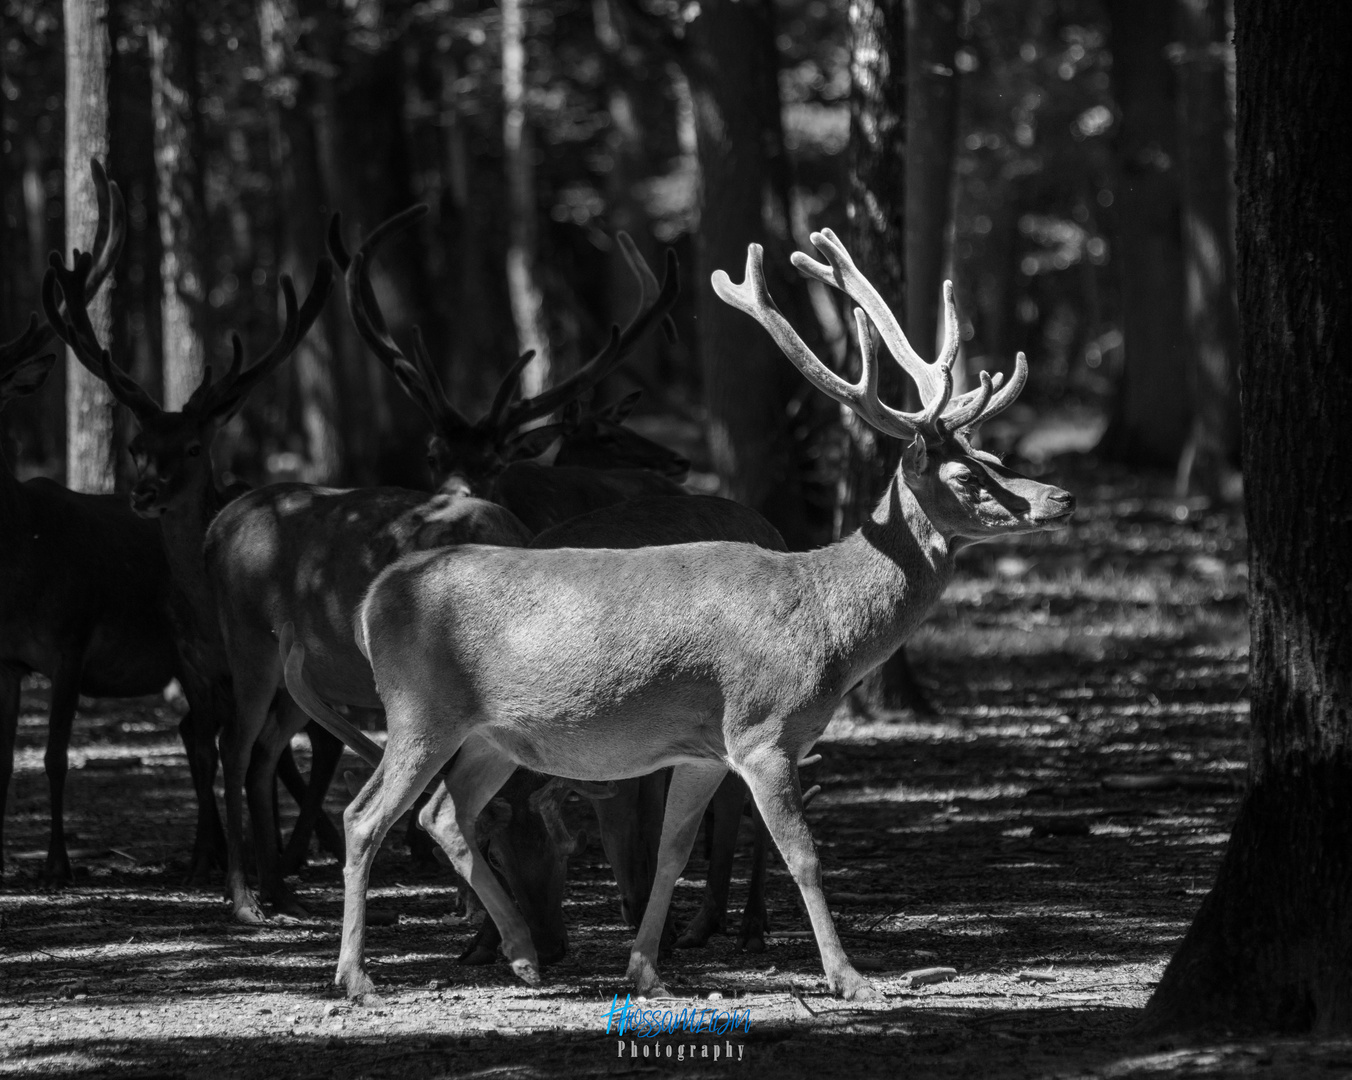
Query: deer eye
(194, 449)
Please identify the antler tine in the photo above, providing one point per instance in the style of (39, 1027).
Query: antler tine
(753, 298)
(845, 276)
(413, 375)
(605, 361)
(229, 394)
(112, 226)
(647, 281)
(508, 388)
(27, 345)
(1005, 398)
(962, 413)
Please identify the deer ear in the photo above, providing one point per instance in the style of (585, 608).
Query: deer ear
(26, 377)
(914, 458)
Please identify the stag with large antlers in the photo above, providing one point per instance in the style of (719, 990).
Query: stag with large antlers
(707, 657)
(83, 588)
(177, 485)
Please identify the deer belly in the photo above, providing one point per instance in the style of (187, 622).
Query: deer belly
(614, 745)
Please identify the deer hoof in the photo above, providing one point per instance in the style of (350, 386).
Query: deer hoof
(526, 971)
(249, 913)
(852, 986)
(357, 985)
(477, 954)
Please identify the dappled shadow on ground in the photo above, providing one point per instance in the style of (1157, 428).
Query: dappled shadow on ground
(1049, 837)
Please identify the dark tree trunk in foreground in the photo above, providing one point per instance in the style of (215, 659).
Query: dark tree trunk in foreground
(734, 70)
(90, 450)
(1271, 947)
(877, 241)
(179, 152)
(931, 109)
(1208, 246)
(1153, 411)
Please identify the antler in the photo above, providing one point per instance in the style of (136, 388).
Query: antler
(418, 376)
(224, 398)
(753, 297)
(512, 416)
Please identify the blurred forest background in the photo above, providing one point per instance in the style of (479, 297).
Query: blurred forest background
(1067, 162)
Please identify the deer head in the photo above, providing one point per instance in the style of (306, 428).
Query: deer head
(172, 452)
(469, 455)
(967, 494)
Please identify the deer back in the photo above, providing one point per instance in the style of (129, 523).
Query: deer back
(544, 496)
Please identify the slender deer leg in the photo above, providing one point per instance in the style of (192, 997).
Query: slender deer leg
(197, 730)
(477, 773)
(772, 777)
(10, 679)
(325, 752)
(726, 819)
(692, 785)
(272, 741)
(238, 736)
(65, 697)
(755, 921)
(404, 771)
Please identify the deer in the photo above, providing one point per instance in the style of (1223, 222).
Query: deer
(82, 589)
(599, 464)
(300, 555)
(177, 490)
(601, 664)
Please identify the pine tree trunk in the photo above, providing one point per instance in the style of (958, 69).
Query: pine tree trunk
(179, 152)
(527, 295)
(1208, 245)
(91, 462)
(301, 227)
(1153, 410)
(878, 243)
(733, 68)
(1271, 946)
(931, 109)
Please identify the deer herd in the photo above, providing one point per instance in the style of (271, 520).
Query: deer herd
(528, 630)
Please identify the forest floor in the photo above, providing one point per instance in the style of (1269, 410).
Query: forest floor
(1049, 836)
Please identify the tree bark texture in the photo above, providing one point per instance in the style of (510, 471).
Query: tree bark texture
(878, 243)
(1271, 947)
(733, 68)
(91, 463)
(1205, 125)
(179, 152)
(302, 224)
(527, 294)
(931, 110)
(1153, 410)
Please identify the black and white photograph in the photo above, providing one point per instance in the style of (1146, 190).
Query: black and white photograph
(804, 539)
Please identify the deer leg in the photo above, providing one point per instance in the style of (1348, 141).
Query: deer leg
(65, 697)
(630, 824)
(197, 730)
(253, 697)
(692, 786)
(406, 769)
(450, 816)
(325, 752)
(725, 821)
(269, 745)
(10, 679)
(755, 921)
(772, 776)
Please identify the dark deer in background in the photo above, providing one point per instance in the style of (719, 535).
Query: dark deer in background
(177, 485)
(601, 665)
(83, 589)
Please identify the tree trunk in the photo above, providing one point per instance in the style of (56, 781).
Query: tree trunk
(1208, 245)
(931, 110)
(878, 243)
(1271, 946)
(91, 462)
(179, 153)
(528, 300)
(1153, 411)
(733, 68)
(301, 228)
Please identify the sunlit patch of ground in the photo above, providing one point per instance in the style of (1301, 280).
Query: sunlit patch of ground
(1049, 837)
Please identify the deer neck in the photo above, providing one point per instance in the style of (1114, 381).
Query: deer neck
(880, 582)
(183, 529)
